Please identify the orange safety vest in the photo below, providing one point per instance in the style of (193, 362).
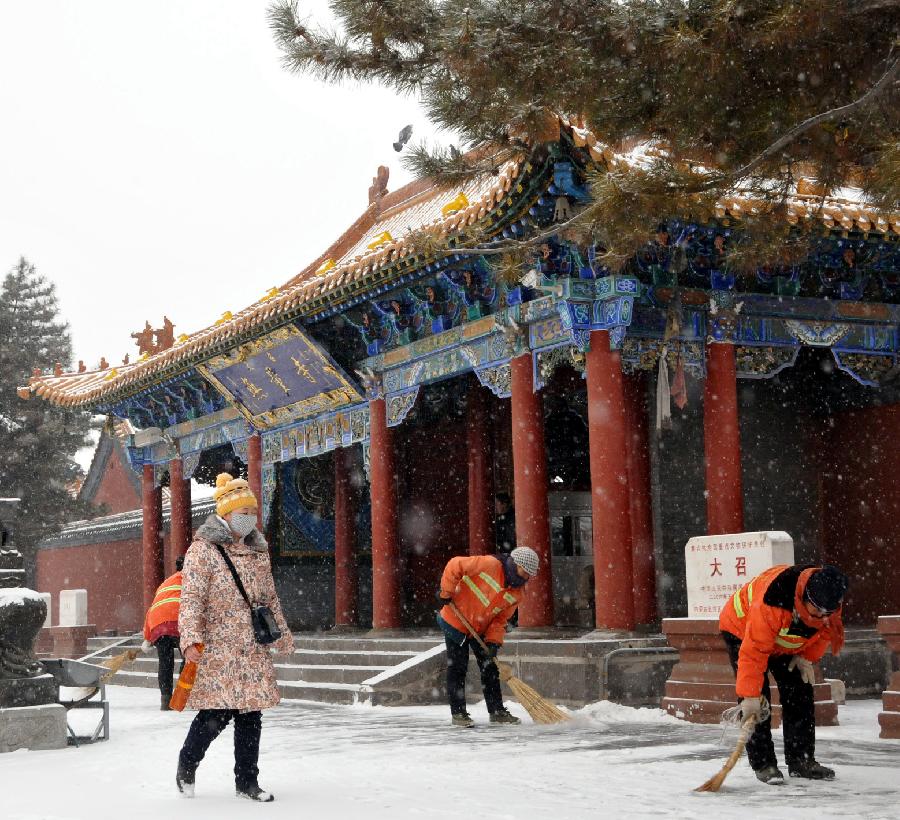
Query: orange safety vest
(780, 627)
(476, 585)
(162, 617)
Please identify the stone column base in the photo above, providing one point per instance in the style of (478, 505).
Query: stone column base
(701, 685)
(33, 727)
(889, 719)
(64, 641)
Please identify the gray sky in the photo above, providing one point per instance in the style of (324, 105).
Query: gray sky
(155, 159)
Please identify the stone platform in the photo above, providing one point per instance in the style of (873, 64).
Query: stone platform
(33, 727)
(889, 627)
(64, 641)
(701, 685)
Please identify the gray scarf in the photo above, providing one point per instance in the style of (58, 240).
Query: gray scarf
(216, 531)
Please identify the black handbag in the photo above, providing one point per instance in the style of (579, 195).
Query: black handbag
(265, 630)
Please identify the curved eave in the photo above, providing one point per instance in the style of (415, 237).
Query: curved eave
(306, 295)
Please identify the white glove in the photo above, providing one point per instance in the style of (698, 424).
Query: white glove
(146, 646)
(805, 668)
(751, 706)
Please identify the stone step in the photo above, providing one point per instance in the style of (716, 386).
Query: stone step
(104, 641)
(324, 692)
(360, 643)
(128, 678)
(326, 673)
(350, 657)
(343, 693)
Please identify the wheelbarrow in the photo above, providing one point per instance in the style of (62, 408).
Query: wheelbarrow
(80, 675)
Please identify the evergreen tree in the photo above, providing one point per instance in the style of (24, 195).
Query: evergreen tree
(37, 439)
(726, 94)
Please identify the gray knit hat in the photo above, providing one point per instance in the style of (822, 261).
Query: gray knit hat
(526, 558)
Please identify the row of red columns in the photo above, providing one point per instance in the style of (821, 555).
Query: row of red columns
(624, 572)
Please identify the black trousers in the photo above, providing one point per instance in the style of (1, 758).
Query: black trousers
(798, 713)
(208, 725)
(165, 650)
(458, 665)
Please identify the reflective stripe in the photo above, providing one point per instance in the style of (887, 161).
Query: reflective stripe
(510, 599)
(477, 592)
(169, 589)
(739, 604)
(782, 639)
(490, 581)
(497, 610)
(164, 601)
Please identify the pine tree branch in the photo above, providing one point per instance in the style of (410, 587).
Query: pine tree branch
(826, 116)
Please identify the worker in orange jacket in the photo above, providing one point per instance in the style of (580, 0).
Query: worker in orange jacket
(484, 588)
(161, 630)
(782, 622)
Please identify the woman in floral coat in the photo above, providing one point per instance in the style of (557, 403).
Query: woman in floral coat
(235, 674)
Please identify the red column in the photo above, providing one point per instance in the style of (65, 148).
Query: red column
(180, 527)
(530, 479)
(151, 500)
(640, 509)
(610, 501)
(345, 567)
(481, 478)
(385, 537)
(254, 473)
(722, 443)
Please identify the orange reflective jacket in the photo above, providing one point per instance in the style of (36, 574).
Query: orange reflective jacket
(476, 584)
(768, 616)
(162, 617)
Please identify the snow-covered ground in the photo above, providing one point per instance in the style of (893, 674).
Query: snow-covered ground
(375, 762)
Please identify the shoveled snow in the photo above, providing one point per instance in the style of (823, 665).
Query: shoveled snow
(383, 763)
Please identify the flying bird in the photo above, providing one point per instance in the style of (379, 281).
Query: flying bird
(405, 134)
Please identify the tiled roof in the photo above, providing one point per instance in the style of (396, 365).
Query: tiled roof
(845, 209)
(119, 527)
(379, 237)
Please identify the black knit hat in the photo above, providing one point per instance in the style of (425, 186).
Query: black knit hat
(827, 587)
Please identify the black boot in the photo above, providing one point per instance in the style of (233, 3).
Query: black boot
(504, 716)
(184, 779)
(254, 792)
(810, 769)
(770, 775)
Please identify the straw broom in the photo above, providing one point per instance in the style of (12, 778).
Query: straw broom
(540, 709)
(116, 662)
(716, 781)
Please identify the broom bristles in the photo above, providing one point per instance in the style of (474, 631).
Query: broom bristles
(540, 709)
(115, 663)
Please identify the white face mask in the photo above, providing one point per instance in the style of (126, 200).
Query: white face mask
(243, 524)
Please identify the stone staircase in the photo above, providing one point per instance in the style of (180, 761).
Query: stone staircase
(344, 669)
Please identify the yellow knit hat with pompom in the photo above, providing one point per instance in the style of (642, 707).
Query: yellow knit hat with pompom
(232, 494)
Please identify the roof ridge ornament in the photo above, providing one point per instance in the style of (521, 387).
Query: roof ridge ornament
(379, 184)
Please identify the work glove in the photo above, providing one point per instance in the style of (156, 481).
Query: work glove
(805, 668)
(751, 706)
(492, 650)
(441, 600)
(146, 646)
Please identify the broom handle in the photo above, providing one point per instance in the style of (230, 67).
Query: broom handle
(468, 626)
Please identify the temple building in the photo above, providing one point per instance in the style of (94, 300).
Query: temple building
(382, 398)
